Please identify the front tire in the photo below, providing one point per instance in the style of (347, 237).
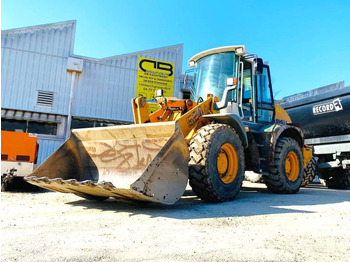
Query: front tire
(216, 166)
(286, 175)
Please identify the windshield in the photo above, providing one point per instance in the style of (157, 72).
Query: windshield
(211, 73)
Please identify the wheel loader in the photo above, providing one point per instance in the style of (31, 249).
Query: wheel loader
(228, 124)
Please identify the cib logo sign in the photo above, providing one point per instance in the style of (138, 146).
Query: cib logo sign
(152, 75)
(333, 106)
(148, 65)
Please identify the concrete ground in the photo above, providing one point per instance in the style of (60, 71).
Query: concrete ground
(313, 225)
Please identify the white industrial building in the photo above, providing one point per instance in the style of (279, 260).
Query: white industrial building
(47, 89)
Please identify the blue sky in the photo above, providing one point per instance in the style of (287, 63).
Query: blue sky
(307, 43)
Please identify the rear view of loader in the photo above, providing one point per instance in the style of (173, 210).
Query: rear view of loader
(230, 124)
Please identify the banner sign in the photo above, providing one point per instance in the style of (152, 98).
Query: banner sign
(333, 106)
(153, 75)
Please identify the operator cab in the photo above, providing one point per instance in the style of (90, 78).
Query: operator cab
(241, 82)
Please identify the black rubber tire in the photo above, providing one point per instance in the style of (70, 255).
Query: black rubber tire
(203, 173)
(276, 179)
(336, 178)
(309, 172)
(4, 186)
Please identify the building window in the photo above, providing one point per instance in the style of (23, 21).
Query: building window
(86, 123)
(13, 125)
(29, 126)
(42, 128)
(77, 123)
(102, 123)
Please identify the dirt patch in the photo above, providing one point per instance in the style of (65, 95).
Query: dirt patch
(312, 225)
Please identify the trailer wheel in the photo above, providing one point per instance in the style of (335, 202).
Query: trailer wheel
(286, 175)
(6, 181)
(336, 178)
(309, 172)
(216, 165)
(4, 186)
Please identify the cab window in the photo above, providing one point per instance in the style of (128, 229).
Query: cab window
(265, 104)
(264, 91)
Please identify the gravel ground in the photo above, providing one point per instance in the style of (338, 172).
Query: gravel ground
(313, 225)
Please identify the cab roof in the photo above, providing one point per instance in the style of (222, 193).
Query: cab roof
(193, 60)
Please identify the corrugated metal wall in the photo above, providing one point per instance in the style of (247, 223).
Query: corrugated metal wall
(106, 87)
(47, 145)
(52, 39)
(35, 58)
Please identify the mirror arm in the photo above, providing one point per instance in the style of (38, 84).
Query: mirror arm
(224, 101)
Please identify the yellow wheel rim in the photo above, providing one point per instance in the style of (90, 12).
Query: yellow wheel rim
(227, 163)
(291, 166)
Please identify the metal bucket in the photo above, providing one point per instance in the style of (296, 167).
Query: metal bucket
(147, 162)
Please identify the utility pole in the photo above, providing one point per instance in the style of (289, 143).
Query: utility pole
(74, 66)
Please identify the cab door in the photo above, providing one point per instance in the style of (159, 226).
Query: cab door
(265, 112)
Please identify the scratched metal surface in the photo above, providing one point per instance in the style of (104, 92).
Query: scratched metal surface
(145, 162)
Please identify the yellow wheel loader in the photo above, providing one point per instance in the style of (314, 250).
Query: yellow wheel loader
(228, 124)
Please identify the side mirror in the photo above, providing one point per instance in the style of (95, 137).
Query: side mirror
(259, 65)
(230, 81)
(159, 93)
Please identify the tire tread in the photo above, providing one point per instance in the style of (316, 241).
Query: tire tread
(199, 178)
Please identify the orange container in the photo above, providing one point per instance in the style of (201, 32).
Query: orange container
(18, 147)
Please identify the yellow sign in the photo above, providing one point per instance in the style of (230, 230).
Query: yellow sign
(153, 75)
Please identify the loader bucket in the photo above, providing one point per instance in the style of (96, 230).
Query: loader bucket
(147, 162)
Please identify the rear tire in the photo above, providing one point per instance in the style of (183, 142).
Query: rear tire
(309, 172)
(216, 165)
(286, 175)
(336, 178)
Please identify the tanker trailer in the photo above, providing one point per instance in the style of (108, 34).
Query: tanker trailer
(324, 116)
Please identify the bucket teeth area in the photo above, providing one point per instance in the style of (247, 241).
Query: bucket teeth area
(88, 187)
